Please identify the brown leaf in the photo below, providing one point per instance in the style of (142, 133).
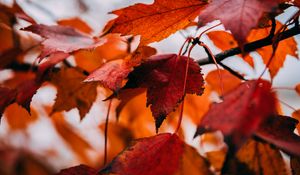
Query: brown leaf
(193, 163)
(72, 92)
(256, 158)
(295, 164)
(156, 21)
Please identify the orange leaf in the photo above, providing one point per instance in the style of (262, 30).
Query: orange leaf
(119, 138)
(156, 21)
(217, 158)
(72, 93)
(196, 106)
(74, 141)
(256, 158)
(116, 47)
(297, 88)
(76, 23)
(285, 47)
(18, 118)
(225, 41)
(229, 81)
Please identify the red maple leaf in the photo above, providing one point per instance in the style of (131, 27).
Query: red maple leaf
(239, 16)
(241, 112)
(163, 76)
(279, 131)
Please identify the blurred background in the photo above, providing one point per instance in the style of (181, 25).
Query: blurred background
(69, 142)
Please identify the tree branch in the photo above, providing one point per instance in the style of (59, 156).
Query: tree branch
(252, 46)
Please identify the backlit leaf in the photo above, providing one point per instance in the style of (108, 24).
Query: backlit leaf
(238, 16)
(241, 112)
(156, 21)
(163, 76)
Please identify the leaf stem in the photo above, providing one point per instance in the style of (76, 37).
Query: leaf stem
(106, 132)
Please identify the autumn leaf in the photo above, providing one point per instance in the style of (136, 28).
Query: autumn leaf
(256, 158)
(115, 47)
(10, 43)
(196, 106)
(72, 93)
(284, 48)
(279, 131)
(238, 16)
(241, 112)
(163, 76)
(132, 112)
(157, 160)
(18, 118)
(14, 161)
(229, 81)
(295, 165)
(192, 163)
(224, 41)
(112, 74)
(22, 94)
(7, 97)
(78, 170)
(297, 88)
(119, 137)
(156, 21)
(296, 115)
(51, 61)
(79, 145)
(76, 23)
(63, 39)
(217, 158)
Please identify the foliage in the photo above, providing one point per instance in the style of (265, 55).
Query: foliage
(240, 118)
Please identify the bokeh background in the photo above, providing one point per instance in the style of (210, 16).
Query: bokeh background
(41, 136)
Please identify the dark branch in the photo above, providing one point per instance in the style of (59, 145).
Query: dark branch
(250, 46)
